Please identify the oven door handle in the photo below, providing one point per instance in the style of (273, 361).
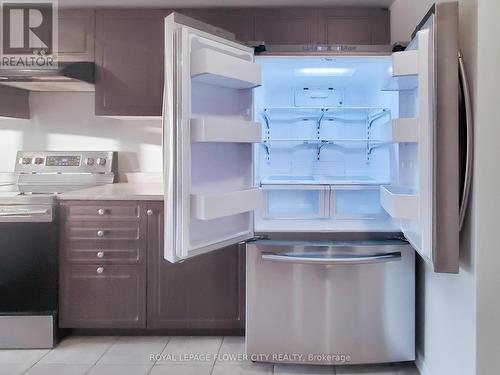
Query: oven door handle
(24, 213)
(335, 259)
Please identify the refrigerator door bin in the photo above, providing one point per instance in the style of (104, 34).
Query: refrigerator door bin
(216, 68)
(220, 129)
(400, 202)
(405, 130)
(330, 302)
(213, 206)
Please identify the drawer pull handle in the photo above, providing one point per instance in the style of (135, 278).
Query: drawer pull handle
(150, 212)
(101, 211)
(100, 270)
(100, 233)
(100, 254)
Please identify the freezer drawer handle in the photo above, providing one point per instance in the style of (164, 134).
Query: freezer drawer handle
(317, 258)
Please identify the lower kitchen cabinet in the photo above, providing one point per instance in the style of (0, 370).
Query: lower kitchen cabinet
(104, 286)
(102, 296)
(204, 293)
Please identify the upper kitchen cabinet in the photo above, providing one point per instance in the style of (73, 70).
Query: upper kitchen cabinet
(129, 62)
(322, 25)
(237, 21)
(14, 103)
(76, 35)
(285, 25)
(353, 26)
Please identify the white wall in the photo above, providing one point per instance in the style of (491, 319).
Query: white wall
(446, 317)
(66, 121)
(487, 186)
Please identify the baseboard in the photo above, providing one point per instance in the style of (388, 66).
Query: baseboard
(420, 363)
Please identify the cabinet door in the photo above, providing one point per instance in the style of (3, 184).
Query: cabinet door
(14, 102)
(76, 35)
(353, 26)
(237, 21)
(102, 296)
(285, 26)
(129, 62)
(204, 293)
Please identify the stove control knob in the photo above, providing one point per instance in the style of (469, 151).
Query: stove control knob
(101, 161)
(100, 254)
(101, 211)
(38, 161)
(25, 161)
(90, 161)
(100, 270)
(100, 233)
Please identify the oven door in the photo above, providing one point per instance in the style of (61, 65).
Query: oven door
(28, 283)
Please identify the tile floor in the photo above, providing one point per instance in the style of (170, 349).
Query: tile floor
(155, 355)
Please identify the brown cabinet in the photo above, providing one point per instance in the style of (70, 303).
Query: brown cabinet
(239, 21)
(103, 265)
(14, 102)
(363, 26)
(129, 62)
(102, 296)
(285, 25)
(129, 44)
(113, 274)
(203, 293)
(76, 34)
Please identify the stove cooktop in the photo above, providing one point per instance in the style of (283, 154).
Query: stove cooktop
(15, 197)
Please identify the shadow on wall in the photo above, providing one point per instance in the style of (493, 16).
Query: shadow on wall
(66, 121)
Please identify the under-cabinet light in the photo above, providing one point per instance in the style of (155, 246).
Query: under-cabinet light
(339, 72)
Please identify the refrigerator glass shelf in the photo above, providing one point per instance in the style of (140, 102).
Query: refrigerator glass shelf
(360, 115)
(347, 143)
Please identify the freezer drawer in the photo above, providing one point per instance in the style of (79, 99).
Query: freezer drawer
(330, 302)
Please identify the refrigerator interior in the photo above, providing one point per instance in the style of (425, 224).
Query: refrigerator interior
(327, 144)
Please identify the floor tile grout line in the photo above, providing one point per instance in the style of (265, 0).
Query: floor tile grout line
(217, 355)
(162, 350)
(105, 351)
(38, 361)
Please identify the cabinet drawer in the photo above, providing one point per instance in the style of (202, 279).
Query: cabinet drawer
(107, 252)
(103, 211)
(103, 231)
(102, 296)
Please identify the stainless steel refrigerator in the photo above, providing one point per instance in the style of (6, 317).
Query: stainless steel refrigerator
(333, 165)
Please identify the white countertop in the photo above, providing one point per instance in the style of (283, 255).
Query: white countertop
(118, 192)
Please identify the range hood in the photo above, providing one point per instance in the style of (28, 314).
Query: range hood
(69, 76)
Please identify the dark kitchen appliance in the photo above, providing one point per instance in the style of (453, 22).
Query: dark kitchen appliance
(29, 240)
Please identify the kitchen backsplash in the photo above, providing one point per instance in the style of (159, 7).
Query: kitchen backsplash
(66, 121)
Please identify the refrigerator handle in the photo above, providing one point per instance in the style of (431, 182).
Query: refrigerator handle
(464, 84)
(305, 258)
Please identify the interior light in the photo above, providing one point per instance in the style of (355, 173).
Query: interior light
(338, 72)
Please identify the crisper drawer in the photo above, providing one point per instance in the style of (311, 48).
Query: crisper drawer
(102, 211)
(330, 302)
(101, 296)
(356, 202)
(295, 201)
